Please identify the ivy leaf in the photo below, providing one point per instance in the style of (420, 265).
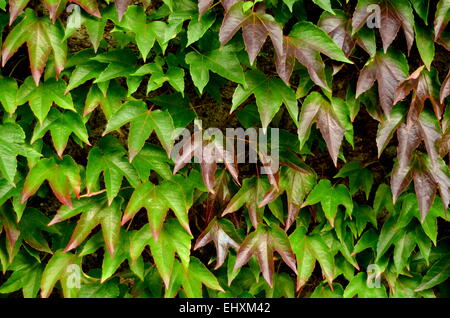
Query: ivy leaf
(198, 26)
(108, 157)
(437, 274)
(42, 98)
(445, 88)
(32, 226)
(389, 70)
(424, 85)
(94, 211)
(256, 27)
(222, 61)
(143, 123)
(428, 176)
(26, 278)
(442, 18)
(90, 6)
(316, 108)
(178, 195)
(109, 103)
(393, 16)
(121, 7)
(8, 95)
(338, 27)
(221, 232)
(59, 269)
(304, 44)
(61, 126)
(425, 44)
(359, 177)
(63, 177)
(208, 151)
(262, 243)
(270, 93)
(250, 194)
(83, 73)
(197, 275)
(204, 5)
(387, 128)
(359, 286)
(136, 21)
(330, 198)
(55, 8)
(42, 37)
(147, 196)
(297, 182)
(404, 246)
(12, 143)
(308, 250)
(172, 239)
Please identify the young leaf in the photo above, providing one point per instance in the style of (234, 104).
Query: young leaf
(389, 70)
(256, 27)
(304, 44)
(393, 16)
(222, 61)
(12, 143)
(262, 243)
(63, 177)
(143, 123)
(221, 232)
(108, 157)
(330, 198)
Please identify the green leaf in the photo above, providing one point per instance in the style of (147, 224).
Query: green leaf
(330, 198)
(359, 177)
(222, 61)
(270, 93)
(143, 123)
(59, 268)
(12, 144)
(108, 157)
(198, 26)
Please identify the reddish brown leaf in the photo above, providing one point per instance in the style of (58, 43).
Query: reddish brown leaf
(445, 88)
(389, 70)
(424, 85)
(121, 7)
(338, 27)
(90, 6)
(204, 5)
(262, 243)
(256, 27)
(219, 231)
(15, 8)
(393, 16)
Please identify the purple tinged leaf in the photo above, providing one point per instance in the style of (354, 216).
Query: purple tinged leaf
(90, 6)
(441, 19)
(445, 88)
(338, 27)
(425, 189)
(332, 131)
(393, 16)
(256, 27)
(15, 8)
(121, 7)
(263, 242)
(217, 232)
(305, 43)
(203, 6)
(389, 70)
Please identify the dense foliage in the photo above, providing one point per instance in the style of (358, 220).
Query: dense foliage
(93, 94)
